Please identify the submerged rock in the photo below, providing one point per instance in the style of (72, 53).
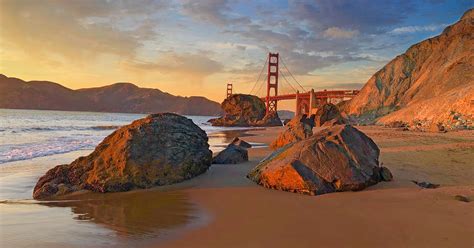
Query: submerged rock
(157, 150)
(338, 158)
(245, 110)
(297, 129)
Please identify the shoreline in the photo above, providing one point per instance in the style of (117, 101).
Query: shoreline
(222, 202)
(387, 211)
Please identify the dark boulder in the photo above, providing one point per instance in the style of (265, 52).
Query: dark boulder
(338, 158)
(157, 150)
(232, 154)
(244, 111)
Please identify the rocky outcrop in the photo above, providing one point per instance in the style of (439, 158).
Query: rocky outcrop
(157, 150)
(245, 110)
(232, 154)
(235, 153)
(431, 83)
(338, 158)
(118, 98)
(299, 128)
(329, 115)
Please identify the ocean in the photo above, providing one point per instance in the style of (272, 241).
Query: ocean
(33, 141)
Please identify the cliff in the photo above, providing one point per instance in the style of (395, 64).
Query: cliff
(432, 82)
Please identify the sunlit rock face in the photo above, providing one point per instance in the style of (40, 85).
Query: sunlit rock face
(339, 158)
(157, 150)
(244, 111)
(299, 128)
(431, 83)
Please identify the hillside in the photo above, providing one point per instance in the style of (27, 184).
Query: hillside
(432, 82)
(120, 97)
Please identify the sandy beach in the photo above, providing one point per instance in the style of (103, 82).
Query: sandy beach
(389, 214)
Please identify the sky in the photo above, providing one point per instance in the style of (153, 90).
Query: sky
(188, 47)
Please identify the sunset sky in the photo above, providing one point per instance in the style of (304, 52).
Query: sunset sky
(196, 47)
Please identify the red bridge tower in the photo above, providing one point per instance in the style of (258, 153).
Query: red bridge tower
(272, 82)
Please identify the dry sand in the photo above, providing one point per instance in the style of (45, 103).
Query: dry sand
(393, 214)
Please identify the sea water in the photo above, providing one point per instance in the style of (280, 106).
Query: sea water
(28, 134)
(33, 141)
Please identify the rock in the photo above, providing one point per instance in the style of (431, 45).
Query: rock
(238, 142)
(329, 115)
(338, 158)
(437, 128)
(244, 111)
(426, 185)
(157, 150)
(232, 154)
(461, 198)
(297, 129)
(269, 120)
(385, 174)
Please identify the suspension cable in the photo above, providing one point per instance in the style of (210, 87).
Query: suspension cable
(291, 74)
(259, 75)
(287, 81)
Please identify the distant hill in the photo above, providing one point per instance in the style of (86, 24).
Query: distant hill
(286, 114)
(120, 97)
(432, 82)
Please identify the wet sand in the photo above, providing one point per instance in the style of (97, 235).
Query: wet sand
(389, 214)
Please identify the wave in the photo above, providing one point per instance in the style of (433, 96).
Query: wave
(110, 127)
(41, 149)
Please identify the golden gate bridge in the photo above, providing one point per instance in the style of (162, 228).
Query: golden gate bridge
(307, 101)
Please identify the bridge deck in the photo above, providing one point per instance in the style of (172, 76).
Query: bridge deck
(319, 95)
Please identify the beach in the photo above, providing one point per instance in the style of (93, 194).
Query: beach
(222, 208)
(389, 214)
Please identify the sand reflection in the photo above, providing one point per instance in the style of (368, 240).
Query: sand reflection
(131, 214)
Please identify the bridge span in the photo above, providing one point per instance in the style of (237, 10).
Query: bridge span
(307, 102)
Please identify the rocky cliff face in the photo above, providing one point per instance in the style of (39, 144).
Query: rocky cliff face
(432, 82)
(120, 97)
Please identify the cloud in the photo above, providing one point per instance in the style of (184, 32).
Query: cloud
(77, 31)
(184, 63)
(213, 11)
(415, 29)
(337, 33)
(367, 16)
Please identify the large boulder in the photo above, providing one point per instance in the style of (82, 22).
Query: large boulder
(338, 158)
(329, 115)
(297, 129)
(245, 110)
(157, 150)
